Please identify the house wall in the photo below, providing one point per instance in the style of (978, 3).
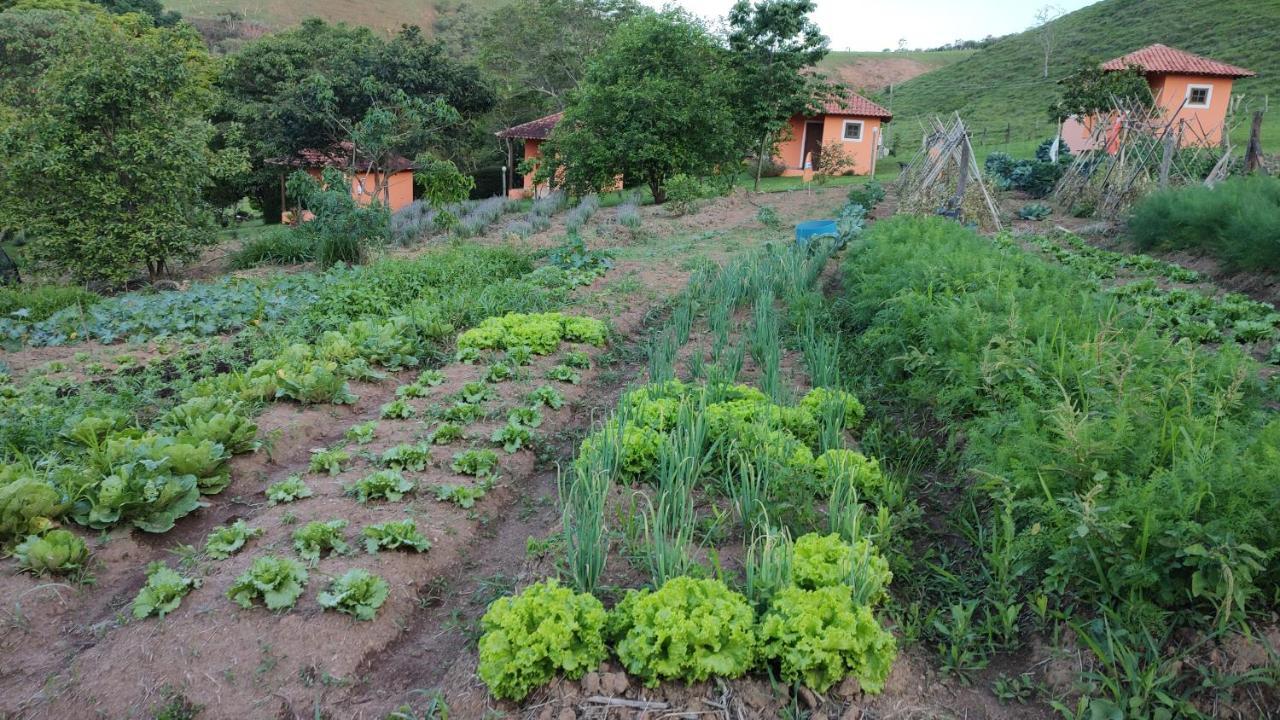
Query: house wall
(364, 185)
(1200, 126)
(863, 152)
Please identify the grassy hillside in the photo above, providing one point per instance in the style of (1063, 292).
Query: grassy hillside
(1002, 86)
(384, 15)
(873, 71)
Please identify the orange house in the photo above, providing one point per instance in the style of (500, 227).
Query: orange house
(533, 133)
(853, 124)
(1192, 92)
(366, 183)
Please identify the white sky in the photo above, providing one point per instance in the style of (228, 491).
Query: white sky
(879, 24)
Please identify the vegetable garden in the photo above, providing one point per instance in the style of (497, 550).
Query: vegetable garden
(802, 481)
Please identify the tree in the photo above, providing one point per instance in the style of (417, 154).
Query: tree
(104, 169)
(1046, 31)
(772, 43)
(1090, 90)
(308, 87)
(656, 102)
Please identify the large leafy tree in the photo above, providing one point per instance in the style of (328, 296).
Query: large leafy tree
(104, 168)
(773, 43)
(656, 102)
(309, 87)
(1091, 90)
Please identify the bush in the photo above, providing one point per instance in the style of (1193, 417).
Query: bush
(868, 195)
(683, 193)
(1035, 211)
(688, 630)
(342, 228)
(530, 637)
(277, 245)
(1035, 177)
(34, 304)
(819, 636)
(1237, 221)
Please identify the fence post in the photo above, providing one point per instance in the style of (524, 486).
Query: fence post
(1253, 152)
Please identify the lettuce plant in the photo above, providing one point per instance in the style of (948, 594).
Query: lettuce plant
(530, 417)
(357, 592)
(464, 496)
(278, 582)
(528, 638)
(498, 372)
(461, 412)
(520, 355)
(319, 536)
(28, 504)
(228, 540)
(577, 359)
(512, 436)
(687, 630)
(397, 410)
(477, 463)
(431, 378)
(219, 420)
(288, 490)
(863, 473)
(394, 535)
(142, 492)
(850, 406)
(382, 485)
(821, 561)
(474, 393)
(413, 390)
(362, 433)
(328, 460)
(445, 433)
(406, 457)
(540, 332)
(565, 374)
(57, 552)
(819, 636)
(163, 591)
(547, 395)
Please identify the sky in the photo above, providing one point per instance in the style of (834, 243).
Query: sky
(876, 25)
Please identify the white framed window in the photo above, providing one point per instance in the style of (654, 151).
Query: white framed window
(852, 131)
(1198, 96)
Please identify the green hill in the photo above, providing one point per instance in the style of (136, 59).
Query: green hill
(383, 15)
(873, 71)
(1001, 90)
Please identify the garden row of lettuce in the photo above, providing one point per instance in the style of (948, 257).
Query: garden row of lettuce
(85, 454)
(1138, 470)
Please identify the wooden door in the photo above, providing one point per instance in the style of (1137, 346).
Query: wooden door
(812, 146)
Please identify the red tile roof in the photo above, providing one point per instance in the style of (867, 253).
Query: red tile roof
(856, 105)
(1164, 59)
(539, 129)
(339, 156)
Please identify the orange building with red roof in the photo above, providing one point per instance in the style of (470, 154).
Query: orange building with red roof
(853, 123)
(1193, 91)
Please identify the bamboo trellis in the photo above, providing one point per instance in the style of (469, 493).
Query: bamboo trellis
(944, 178)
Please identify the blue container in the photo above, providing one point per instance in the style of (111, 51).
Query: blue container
(810, 229)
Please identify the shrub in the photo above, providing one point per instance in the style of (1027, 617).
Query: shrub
(528, 638)
(1236, 221)
(1034, 211)
(163, 591)
(278, 582)
(868, 195)
(357, 592)
(34, 304)
(342, 228)
(819, 636)
(688, 630)
(276, 245)
(683, 193)
(58, 552)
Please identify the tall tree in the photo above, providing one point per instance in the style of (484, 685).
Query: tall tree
(1090, 90)
(1047, 32)
(104, 170)
(772, 44)
(655, 102)
(307, 87)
